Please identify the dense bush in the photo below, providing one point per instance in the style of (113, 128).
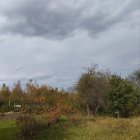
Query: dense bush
(26, 127)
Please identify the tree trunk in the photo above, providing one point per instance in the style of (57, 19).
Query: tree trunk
(88, 110)
(96, 109)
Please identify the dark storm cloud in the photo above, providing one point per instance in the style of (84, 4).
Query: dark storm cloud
(59, 19)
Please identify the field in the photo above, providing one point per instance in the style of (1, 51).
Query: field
(103, 128)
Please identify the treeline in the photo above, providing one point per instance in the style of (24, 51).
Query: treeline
(96, 92)
(35, 98)
(106, 93)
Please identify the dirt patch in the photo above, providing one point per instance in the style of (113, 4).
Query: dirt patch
(9, 116)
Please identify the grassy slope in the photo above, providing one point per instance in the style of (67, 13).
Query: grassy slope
(101, 129)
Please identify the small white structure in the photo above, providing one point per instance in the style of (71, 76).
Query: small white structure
(18, 106)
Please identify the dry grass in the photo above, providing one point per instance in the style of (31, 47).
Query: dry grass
(103, 128)
(113, 129)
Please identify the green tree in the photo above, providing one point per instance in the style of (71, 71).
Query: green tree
(122, 96)
(135, 79)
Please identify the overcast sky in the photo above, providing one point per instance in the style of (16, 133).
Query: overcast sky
(50, 41)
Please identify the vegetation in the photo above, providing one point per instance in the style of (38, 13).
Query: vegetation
(26, 127)
(108, 93)
(42, 112)
(122, 96)
(93, 88)
(104, 128)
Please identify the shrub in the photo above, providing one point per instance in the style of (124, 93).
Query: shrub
(26, 127)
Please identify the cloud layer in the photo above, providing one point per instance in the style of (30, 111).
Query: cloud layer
(50, 41)
(59, 19)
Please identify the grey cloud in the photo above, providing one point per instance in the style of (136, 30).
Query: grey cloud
(59, 63)
(59, 19)
(30, 33)
(34, 77)
(40, 77)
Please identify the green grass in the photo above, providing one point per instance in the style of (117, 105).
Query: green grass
(7, 130)
(61, 133)
(87, 129)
